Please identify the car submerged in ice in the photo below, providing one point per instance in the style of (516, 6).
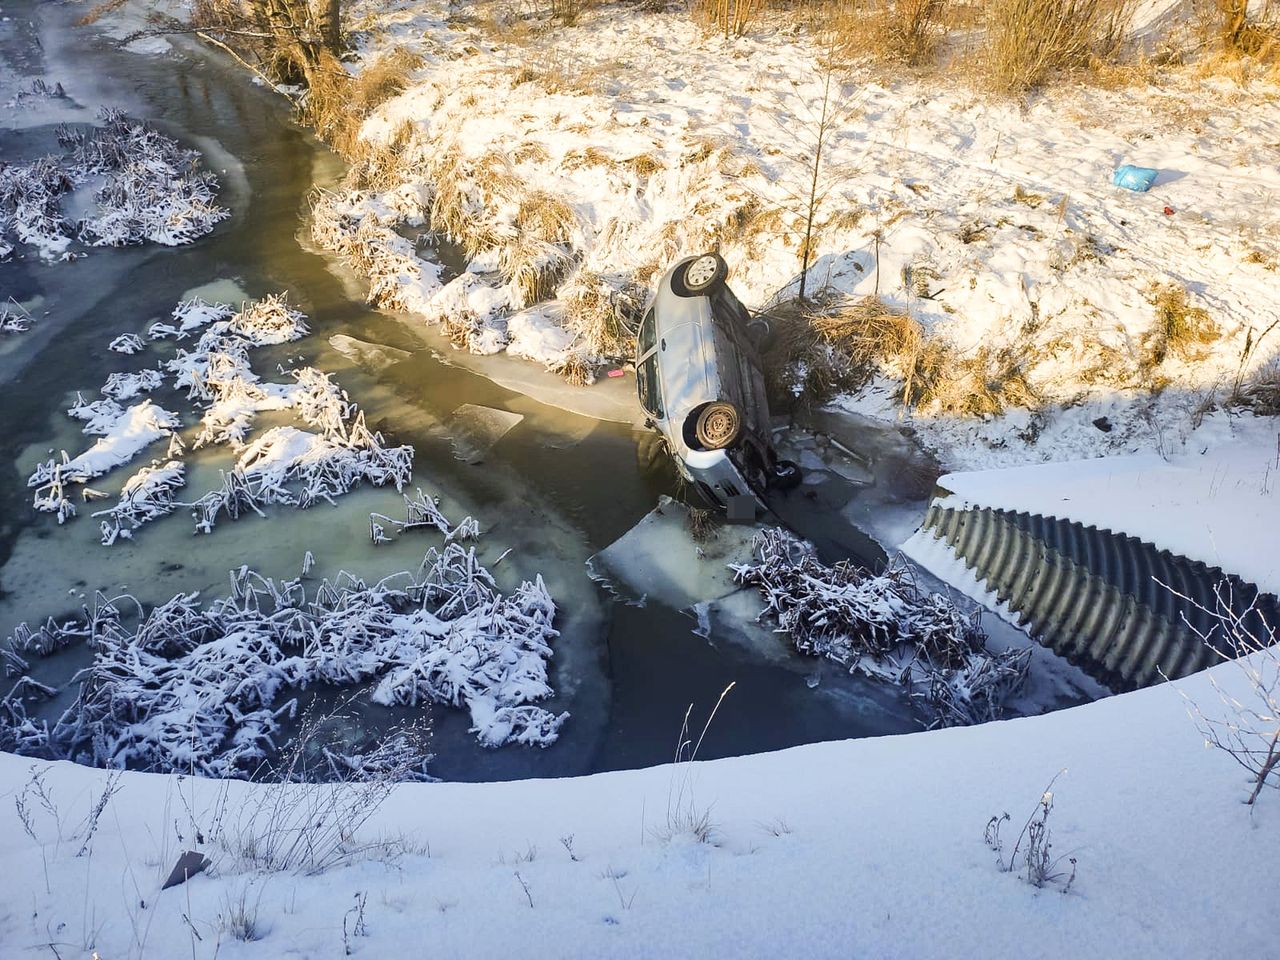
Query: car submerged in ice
(700, 383)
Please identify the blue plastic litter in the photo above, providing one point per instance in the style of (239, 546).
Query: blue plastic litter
(1138, 179)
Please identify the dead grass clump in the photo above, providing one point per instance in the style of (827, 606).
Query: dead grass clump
(1027, 198)
(577, 158)
(643, 164)
(604, 312)
(828, 346)
(703, 525)
(1180, 328)
(337, 103)
(893, 31)
(1241, 29)
(539, 256)
(576, 370)
(465, 190)
(801, 370)
(1030, 40)
(529, 151)
(986, 384)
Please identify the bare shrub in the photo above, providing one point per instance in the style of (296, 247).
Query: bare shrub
(293, 825)
(894, 31)
(1239, 28)
(731, 18)
(1030, 40)
(1247, 727)
(1260, 390)
(1032, 854)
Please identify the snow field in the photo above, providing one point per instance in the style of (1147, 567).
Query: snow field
(874, 845)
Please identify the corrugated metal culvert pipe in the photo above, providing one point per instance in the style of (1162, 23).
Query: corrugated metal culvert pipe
(1096, 597)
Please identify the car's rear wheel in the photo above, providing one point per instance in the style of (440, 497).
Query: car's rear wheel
(760, 333)
(719, 425)
(703, 275)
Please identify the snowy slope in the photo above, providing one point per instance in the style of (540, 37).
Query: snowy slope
(994, 223)
(868, 848)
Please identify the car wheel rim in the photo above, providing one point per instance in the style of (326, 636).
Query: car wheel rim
(720, 426)
(701, 272)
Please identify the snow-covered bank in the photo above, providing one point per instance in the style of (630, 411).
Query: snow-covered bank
(872, 846)
(579, 162)
(1218, 507)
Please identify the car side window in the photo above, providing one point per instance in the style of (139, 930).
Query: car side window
(648, 333)
(647, 367)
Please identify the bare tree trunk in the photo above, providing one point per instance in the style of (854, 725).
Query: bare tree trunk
(331, 25)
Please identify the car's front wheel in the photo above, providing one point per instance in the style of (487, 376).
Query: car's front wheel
(704, 275)
(719, 425)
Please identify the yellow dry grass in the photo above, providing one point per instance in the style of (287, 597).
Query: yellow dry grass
(1180, 328)
(1028, 41)
(337, 103)
(830, 345)
(906, 32)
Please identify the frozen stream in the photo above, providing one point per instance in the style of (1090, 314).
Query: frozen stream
(551, 487)
(555, 489)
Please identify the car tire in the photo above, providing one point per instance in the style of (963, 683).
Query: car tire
(785, 475)
(760, 333)
(719, 425)
(701, 276)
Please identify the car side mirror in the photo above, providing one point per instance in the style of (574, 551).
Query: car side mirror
(648, 423)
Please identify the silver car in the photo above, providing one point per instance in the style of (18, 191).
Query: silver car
(699, 380)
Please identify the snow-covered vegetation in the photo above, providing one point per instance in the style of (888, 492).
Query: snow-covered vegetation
(285, 464)
(195, 687)
(138, 186)
(1033, 297)
(883, 625)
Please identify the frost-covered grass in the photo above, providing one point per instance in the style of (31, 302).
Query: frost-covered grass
(142, 187)
(195, 687)
(883, 625)
(14, 318)
(284, 465)
(576, 164)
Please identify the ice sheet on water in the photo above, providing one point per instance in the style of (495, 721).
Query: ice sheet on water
(658, 559)
(474, 430)
(374, 356)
